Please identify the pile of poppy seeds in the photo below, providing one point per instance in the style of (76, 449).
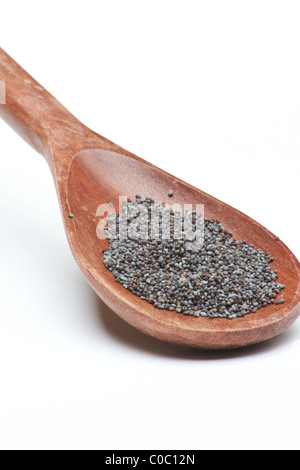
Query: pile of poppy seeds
(226, 278)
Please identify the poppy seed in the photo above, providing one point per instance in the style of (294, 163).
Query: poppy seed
(226, 278)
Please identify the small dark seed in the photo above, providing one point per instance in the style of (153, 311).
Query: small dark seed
(226, 278)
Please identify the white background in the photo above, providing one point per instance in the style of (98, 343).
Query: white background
(208, 91)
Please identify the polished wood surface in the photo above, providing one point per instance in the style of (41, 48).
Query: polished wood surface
(89, 170)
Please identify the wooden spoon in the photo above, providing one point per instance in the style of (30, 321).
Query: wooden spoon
(89, 170)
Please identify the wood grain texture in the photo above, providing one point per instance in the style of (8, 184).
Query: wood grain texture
(89, 170)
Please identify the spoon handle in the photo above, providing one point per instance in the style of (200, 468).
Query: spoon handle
(31, 111)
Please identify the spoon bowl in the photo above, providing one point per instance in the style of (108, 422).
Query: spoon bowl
(98, 177)
(89, 171)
